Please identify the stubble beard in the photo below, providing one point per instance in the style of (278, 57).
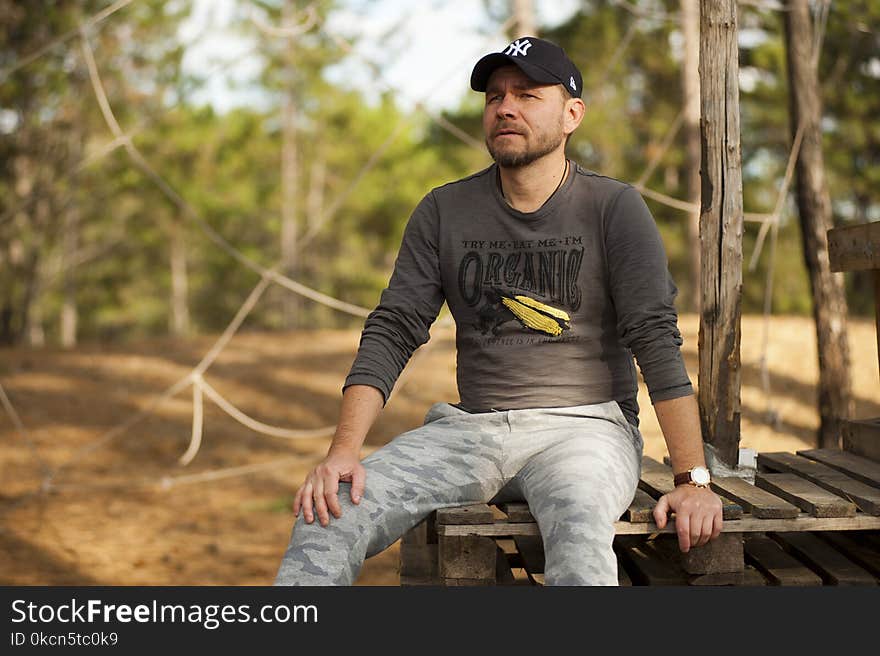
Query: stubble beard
(547, 143)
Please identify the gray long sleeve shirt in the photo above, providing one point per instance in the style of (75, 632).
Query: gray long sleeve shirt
(550, 306)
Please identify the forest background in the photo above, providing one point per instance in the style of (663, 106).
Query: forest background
(146, 190)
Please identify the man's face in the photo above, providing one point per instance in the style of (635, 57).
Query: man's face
(522, 119)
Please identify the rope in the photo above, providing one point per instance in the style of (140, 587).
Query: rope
(19, 426)
(116, 142)
(664, 146)
(774, 217)
(95, 19)
(190, 212)
(196, 438)
(287, 31)
(167, 482)
(645, 13)
(181, 384)
(255, 425)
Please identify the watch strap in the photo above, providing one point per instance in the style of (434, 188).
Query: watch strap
(681, 479)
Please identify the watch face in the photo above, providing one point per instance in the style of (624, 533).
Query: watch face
(700, 475)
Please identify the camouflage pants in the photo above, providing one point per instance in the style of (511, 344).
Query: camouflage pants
(577, 467)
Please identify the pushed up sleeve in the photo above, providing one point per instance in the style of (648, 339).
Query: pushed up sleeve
(408, 306)
(644, 293)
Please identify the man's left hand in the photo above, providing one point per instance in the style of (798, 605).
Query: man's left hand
(697, 515)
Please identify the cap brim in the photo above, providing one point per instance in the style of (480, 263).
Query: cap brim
(486, 66)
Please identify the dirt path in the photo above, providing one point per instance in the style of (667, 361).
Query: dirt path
(117, 515)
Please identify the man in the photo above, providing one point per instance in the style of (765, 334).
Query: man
(556, 277)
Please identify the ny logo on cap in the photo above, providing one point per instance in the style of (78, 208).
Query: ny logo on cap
(518, 47)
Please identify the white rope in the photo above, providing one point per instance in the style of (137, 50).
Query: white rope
(645, 13)
(255, 425)
(664, 146)
(19, 426)
(780, 198)
(819, 32)
(97, 18)
(286, 31)
(769, 5)
(341, 198)
(195, 440)
(113, 433)
(190, 212)
(167, 482)
(181, 384)
(117, 142)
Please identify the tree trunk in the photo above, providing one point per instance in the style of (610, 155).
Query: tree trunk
(721, 227)
(69, 239)
(814, 210)
(289, 172)
(524, 17)
(690, 78)
(179, 280)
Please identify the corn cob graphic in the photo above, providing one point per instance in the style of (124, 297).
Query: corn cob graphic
(536, 315)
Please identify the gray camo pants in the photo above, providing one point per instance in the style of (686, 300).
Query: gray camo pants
(577, 468)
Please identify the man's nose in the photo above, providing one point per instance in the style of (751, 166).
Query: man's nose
(507, 106)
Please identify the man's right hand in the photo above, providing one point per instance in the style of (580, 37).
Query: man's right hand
(318, 494)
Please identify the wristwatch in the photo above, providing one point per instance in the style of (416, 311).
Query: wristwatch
(697, 476)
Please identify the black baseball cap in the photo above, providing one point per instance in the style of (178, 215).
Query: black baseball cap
(541, 60)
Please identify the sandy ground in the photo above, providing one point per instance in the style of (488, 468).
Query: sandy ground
(123, 511)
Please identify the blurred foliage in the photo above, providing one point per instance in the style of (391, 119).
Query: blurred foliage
(227, 165)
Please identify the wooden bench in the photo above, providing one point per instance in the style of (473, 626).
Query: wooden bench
(810, 518)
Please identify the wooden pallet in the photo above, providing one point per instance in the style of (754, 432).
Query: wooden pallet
(811, 518)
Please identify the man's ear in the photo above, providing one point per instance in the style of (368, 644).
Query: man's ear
(573, 114)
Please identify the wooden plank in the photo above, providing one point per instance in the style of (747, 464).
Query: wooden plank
(854, 248)
(467, 582)
(657, 479)
(780, 567)
(754, 500)
(517, 512)
(718, 578)
(825, 560)
(856, 466)
(623, 579)
(865, 497)
(411, 581)
(431, 527)
(805, 495)
(503, 572)
(730, 510)
(723, 554)
(748, 577)
(416, 535)
(860, 552)
(466, 557)
(647, 567)
(418, 560)
(641, 509)
(531, 550)
(478, 513)
(802, 522)
(862, 436)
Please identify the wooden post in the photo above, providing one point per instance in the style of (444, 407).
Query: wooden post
(857, 248)
(466, 559)
(814, 212)
(690, 86)
(721, 227)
